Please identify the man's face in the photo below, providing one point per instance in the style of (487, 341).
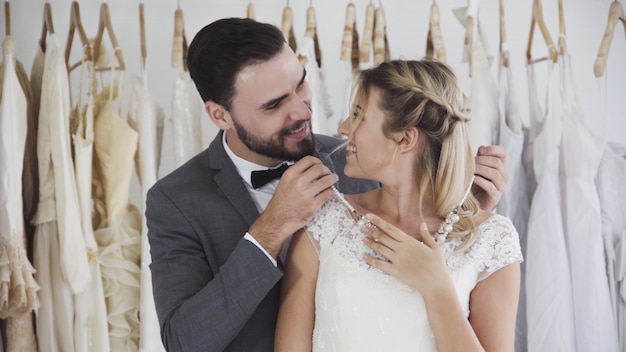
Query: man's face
(271, 111)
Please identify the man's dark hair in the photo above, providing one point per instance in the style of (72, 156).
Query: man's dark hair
(220, 50)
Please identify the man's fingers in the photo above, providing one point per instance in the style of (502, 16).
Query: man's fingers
(497, 151)
(490, 175)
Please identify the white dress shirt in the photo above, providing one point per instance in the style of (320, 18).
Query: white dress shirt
(260, 196)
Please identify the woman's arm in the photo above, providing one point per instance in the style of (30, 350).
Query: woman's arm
(493, 308)
(296, 316)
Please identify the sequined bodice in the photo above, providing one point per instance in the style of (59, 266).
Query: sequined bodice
(359, 308)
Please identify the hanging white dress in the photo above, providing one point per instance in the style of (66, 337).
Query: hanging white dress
(581, 152)
(514, 203)
(483, 126)
(146, 118)
(18, 289)
(186, 114)
(118, 231)
(91, 331)
(549, 302)
(60, 257)
(612, 193)
(320, 106)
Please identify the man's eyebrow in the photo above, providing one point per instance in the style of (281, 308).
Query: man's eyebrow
(276, 101)
(272, 103)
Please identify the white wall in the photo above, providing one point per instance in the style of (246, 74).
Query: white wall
(407, 23)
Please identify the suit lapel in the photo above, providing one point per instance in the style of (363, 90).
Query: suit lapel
(229, 181)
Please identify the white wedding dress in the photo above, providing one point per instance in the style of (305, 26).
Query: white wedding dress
(359, 308)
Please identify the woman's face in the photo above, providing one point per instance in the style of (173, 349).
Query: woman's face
(369, 151)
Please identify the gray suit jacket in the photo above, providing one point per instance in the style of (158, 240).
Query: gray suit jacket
(214, 290)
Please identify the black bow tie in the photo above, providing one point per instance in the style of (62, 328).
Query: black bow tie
(263, 177)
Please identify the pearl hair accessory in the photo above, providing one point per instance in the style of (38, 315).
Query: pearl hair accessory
(442, 232)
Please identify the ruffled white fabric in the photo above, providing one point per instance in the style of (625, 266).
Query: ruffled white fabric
(612, 192)
(146, 117)
(581, 153)
(91, 332)
(18, 289)
(346, 319)
(59, 247)
(515, 202)
(484, 91)
(186, 114)
(320, 101)
(119, 230)
(549, 297)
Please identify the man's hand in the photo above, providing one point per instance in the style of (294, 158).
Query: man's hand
(302, 191)
(491, 176)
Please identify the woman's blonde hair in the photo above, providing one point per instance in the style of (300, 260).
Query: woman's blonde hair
(426, 94)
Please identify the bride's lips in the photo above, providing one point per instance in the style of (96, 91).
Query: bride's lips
(350, 150)
(300, 133)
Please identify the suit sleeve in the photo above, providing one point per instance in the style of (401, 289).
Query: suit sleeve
(197, 310)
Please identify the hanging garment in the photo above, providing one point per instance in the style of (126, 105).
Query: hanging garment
(581, 153)
(483, 126)
(146, 118)
(30, 177)
(549, 301)
(514, 203)
(60, 256)
(18, 289)
(320, 101)
(186, 114)
(612, 192)
(118, 228)
(91, 331)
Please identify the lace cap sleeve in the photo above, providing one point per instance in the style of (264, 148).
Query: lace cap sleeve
(497, 246)
(324, 221)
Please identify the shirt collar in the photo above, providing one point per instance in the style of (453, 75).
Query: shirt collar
(243, 166)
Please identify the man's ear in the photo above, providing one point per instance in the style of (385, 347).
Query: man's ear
(219, 115)
(408, 139)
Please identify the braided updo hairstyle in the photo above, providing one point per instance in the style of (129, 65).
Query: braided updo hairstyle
(426, 94)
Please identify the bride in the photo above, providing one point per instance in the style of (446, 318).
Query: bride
(414, 265)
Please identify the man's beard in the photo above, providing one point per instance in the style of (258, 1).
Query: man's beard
(276, 149)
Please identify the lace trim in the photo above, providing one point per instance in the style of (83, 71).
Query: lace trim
(496, 246)
(18, 289)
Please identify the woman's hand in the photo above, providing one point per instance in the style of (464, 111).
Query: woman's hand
(418, 262)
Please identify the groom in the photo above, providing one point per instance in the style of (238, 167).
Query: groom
(215, 234)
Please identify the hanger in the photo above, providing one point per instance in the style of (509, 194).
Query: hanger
(76, 25)
(287, 27)
(179, 45)
(142, 34)
(105, 23)
(250, 10)
(505, 52)
(435, 47)
(471, 13)
(368, 34)
(350, 38)
(381, 44)
(48, 27)
(311, 31)
(616, 12)
(561, 29)
(7, 18)
(537, 18)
